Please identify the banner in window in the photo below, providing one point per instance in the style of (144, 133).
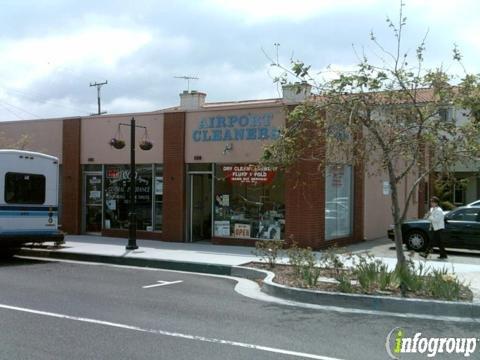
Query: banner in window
(248, 174)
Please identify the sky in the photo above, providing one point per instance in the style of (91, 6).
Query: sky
(52, 50)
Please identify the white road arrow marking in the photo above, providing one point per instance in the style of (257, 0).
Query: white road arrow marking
(161, 283)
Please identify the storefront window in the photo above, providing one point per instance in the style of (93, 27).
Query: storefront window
(117, 190)
(158, 206)
(338, 201)
(249, 202)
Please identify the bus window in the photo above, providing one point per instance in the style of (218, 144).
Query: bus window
(24, 188)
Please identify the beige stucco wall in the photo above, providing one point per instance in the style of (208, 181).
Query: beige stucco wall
(44, 136)
(378, 206)
(243, 150)
(97, 132)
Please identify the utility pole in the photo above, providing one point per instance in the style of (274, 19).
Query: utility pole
(99, 85)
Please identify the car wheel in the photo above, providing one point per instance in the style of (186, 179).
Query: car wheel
(416, 240)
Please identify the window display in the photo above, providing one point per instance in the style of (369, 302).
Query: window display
(158, 197)
(249, 202)
(117, 190)
(338, 201)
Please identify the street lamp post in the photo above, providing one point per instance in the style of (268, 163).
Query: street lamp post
(132, 215)
(144, 145)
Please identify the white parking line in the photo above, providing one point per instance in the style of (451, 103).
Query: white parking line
(168, 333)
(250, 289)
(162, 283)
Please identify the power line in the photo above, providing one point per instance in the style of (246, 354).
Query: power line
(19, 108)
(12, 112)
(37, 98)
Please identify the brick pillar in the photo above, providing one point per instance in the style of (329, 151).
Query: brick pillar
(71, 187)
(174, 177)
(305, 204)
(305, 201)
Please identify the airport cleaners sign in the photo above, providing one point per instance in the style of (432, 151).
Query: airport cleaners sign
(248, 174)
(236, 128)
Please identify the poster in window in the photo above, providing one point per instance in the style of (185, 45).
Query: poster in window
(158, 185)
(337, 176)
(94, 180)
(222, 228)
(223, 200)
(242, 230)
(111, 204)
(95, 194)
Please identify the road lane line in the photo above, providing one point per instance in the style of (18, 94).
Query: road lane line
(168, 333)
(162, 283)
(250, 289)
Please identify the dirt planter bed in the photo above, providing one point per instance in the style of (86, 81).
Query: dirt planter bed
(392, 304)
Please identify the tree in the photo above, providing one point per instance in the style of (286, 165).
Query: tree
(390, 115)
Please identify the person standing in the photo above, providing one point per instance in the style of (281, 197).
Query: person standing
(437, 225)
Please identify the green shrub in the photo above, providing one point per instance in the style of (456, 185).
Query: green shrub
(304, 263)
(268, 251)
(330, 259)
(412, 276)
(344, 284)
(442, 285)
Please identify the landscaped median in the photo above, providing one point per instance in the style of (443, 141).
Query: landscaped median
(390, 304)
(361, 281)
(365, 283)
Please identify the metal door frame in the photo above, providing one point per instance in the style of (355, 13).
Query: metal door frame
(84, 198)
(190, 175)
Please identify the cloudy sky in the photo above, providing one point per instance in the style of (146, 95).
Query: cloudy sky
(51, 50)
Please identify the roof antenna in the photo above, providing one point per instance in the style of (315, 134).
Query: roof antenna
(188, 78)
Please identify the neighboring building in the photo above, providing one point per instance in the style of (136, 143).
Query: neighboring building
(201, 182)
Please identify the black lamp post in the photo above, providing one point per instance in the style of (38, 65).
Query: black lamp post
(144, 145)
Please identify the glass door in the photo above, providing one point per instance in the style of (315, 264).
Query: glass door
(93, 202)
(200, 207)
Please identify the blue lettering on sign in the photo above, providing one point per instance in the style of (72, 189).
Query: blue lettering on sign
(217, 135)
(251, 134)
(227, 135)
(236, 128)
(197, 135)
(239, 133)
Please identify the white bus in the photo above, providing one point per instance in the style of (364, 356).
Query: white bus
(28, 198)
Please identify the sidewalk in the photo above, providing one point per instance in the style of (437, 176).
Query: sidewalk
(203, 257)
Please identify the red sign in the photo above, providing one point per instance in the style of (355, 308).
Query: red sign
(113, 173)
(248, 174)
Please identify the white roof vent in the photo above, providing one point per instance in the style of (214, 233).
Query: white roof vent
(296, 92)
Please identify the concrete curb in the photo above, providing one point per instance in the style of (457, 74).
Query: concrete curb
(140, 262)
(359, 301)
(325, 298)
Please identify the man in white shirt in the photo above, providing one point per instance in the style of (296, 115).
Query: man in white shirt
(437, 225)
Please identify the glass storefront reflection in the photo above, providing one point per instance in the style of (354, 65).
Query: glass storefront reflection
(249, 202)
(338, 201)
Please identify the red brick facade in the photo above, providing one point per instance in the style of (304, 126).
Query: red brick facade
(72, 177)
(305, 204)
(174, 177)
(304, 193)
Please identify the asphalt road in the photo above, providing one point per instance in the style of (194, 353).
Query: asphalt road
(59, 310)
